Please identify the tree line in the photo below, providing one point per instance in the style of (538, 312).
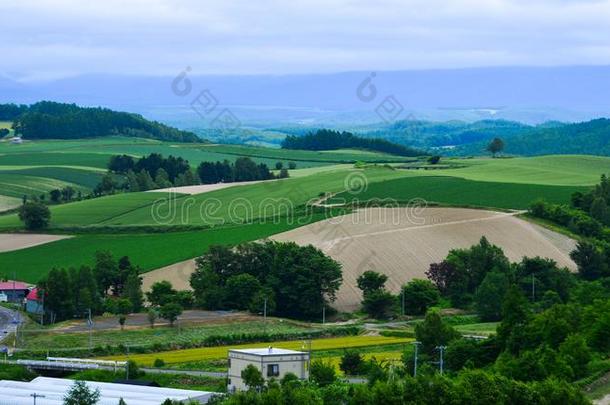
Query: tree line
(154, 171)
(52, 120)
(326, 139)
(588, 215)
(108, 286)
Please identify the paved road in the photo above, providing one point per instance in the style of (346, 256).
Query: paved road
(6, 325)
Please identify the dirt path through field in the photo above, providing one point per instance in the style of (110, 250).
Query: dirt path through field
(16, 241)
(204, 188)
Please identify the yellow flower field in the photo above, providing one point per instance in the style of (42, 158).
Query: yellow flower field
(221, 352)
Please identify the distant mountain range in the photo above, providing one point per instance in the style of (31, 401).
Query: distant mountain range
(531, 95)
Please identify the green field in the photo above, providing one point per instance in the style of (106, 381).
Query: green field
(231, 205)
(557, 170)
(460, 192)
(147, 250)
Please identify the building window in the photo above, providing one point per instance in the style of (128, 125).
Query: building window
(273, 370)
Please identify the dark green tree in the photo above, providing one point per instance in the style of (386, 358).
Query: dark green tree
(81, 394)
(419, 295)
(433, 332)
(170, 311)
(253, 378)
(486, 300)
(495, 146)
(35, 215)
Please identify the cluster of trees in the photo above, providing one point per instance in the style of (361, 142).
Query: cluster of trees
(478, 275)
(65, 194)
(414, 299)
(147, 173)
(595, 202)
(243, 169)
(326, 139)
(576, 220)
(293, 281)
(51, 120)
(154, 171)
(553, 322)
(34, 215)
(166, 302)
(110, 285)
(390, 385)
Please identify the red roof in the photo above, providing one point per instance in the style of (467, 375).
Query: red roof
(33, 295)
(10, 285)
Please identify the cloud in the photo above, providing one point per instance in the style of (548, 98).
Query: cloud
(45, 39)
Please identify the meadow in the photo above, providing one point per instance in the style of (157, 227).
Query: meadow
(445, 190)
(555, 170)
(147, 250)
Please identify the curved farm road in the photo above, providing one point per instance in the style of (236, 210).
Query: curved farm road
(16, 241)
(403, 242)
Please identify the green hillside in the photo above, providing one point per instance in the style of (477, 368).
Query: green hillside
(590, 138)
(571, 170)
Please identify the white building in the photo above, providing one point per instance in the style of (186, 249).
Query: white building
(51, 391)
(272, 363)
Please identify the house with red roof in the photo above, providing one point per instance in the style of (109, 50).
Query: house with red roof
(15, 291)
(33, 303)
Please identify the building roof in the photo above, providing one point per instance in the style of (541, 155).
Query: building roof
(10, 285)
(33, 295)
(54, 390)
(269, 351)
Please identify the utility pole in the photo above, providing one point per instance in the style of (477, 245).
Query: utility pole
(416, 344)
(265, 314)
(90, 324)
(533, 288)
(323, 313)
(441, 349)
(35, 395)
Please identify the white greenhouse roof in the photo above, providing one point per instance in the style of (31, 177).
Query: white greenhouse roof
(54, 390)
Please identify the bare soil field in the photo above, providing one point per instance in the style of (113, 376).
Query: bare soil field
(402, 242)
(178, 274)
(16, 241)
(203, 188)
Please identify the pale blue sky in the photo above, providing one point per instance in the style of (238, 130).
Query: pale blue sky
(42, 39)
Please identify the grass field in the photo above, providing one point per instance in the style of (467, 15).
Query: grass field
(558, 170)
(147, 250)
(221, 352)
(37, 339)
(231, 205)
(461, 192)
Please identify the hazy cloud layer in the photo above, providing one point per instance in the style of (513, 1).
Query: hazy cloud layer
(54, 38)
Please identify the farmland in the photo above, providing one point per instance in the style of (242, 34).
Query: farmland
(220, 352)
(58, 339)
(402, 242)
(33, 263)
(461, 192)
(557, 170)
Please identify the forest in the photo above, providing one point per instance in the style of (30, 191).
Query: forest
(326, 139)
(51, 120)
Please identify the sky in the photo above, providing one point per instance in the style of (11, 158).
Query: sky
(49, 39)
